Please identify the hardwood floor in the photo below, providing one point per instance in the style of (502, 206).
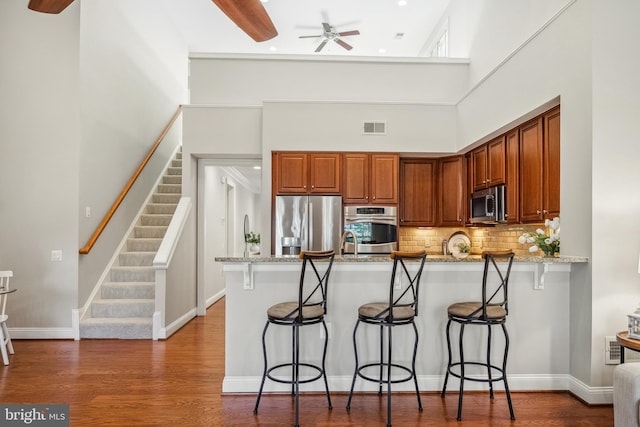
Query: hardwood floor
(177, 382)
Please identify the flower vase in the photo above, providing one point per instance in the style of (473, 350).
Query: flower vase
(549, 253)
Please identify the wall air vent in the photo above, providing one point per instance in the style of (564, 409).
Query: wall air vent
(374, 128)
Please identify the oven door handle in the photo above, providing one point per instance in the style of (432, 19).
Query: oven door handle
(378, 220)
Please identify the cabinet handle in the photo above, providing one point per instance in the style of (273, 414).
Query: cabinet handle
(544, 211)
(538, 212)
(304, 186)
(374, 197)
(313, 186)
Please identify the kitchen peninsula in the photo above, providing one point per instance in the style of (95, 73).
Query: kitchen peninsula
(538, 320)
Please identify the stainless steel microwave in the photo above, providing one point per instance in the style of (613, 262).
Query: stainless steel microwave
(488, 206)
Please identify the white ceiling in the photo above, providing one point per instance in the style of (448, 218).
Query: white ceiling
(208, 30)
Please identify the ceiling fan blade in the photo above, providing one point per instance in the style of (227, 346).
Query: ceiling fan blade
(327, 27)
(319, 48)
(309, 37)
(250, 16)
(343, 44)
(49, 6)
(349, 33)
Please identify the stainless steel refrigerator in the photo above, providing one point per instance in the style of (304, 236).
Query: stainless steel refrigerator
(307, 223)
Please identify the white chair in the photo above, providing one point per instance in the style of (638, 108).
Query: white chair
(5, 338)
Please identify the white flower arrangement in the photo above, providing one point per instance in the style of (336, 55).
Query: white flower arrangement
(549, 244)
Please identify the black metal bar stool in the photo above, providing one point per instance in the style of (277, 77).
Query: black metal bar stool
(400, 309)
(491, 311)
(309, 309)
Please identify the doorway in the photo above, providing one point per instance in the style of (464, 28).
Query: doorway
(228, 189)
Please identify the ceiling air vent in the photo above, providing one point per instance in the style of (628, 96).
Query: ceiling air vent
(374, 128)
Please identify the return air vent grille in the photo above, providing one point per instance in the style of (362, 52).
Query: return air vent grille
(612, 351)
(374, 128)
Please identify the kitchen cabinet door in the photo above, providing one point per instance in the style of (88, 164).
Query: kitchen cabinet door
(512, 181)
(324, 173)
(356, 178)
(451, 199)
(384, 179)
(488, 164)
(418, 192)
(496, 170)
(291, 172)
(551, 149)
(531, 172)
(479, 168)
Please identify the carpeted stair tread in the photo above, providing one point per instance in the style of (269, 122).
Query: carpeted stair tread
(128, 290)
(136, 258)
(154, 231)
(122, 328)
(161, 208)
(147, 219)
(120, 307)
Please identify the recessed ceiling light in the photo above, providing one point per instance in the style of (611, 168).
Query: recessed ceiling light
(264, 1)
(273, 48)
(257, 167)
(402, 2)
(382, 50)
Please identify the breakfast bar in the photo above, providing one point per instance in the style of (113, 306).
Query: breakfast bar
(539, 293)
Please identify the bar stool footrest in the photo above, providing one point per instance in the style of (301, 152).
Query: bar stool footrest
(475, 378)
(384, 365)
(290, 366)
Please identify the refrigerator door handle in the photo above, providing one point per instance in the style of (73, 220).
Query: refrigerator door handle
(310, 227)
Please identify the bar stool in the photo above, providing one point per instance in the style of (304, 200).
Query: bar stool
(400, 309)
(491, 311)
(309, 309)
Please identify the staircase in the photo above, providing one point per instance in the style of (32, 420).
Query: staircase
(125, 303)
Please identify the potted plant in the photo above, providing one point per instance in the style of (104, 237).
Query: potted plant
(254, 240)
(463, 250)
(541, 241)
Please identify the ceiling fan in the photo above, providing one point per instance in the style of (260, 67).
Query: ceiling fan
(330, 33)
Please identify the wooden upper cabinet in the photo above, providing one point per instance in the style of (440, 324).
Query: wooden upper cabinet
(290, 172)
(370, 178)
(488, 164)
(512, 180)
(384, 178)
(451, 188)
(551, 164)
(356, 178)
(418, 192)
(540, 167)
(531, 182)
(303, 173)
(325, 171)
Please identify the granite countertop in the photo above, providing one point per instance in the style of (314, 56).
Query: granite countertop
(386, 258)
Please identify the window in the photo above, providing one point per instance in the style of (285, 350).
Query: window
(441, 47)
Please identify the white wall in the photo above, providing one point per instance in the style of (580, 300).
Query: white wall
(238, 81)
(39, 142)
(489, 31)
(616, 150)
(133, 75)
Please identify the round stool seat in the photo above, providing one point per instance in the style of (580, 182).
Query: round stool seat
(473, 310)
(379, 311)
(288, 311)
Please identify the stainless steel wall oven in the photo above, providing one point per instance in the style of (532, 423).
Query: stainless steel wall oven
(375, 227)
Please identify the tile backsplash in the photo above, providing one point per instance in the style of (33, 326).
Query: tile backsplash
(498, 237)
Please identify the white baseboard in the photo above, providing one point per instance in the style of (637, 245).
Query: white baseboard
(214, 298)
(431, 383)
(174, 326)
(41, 333)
